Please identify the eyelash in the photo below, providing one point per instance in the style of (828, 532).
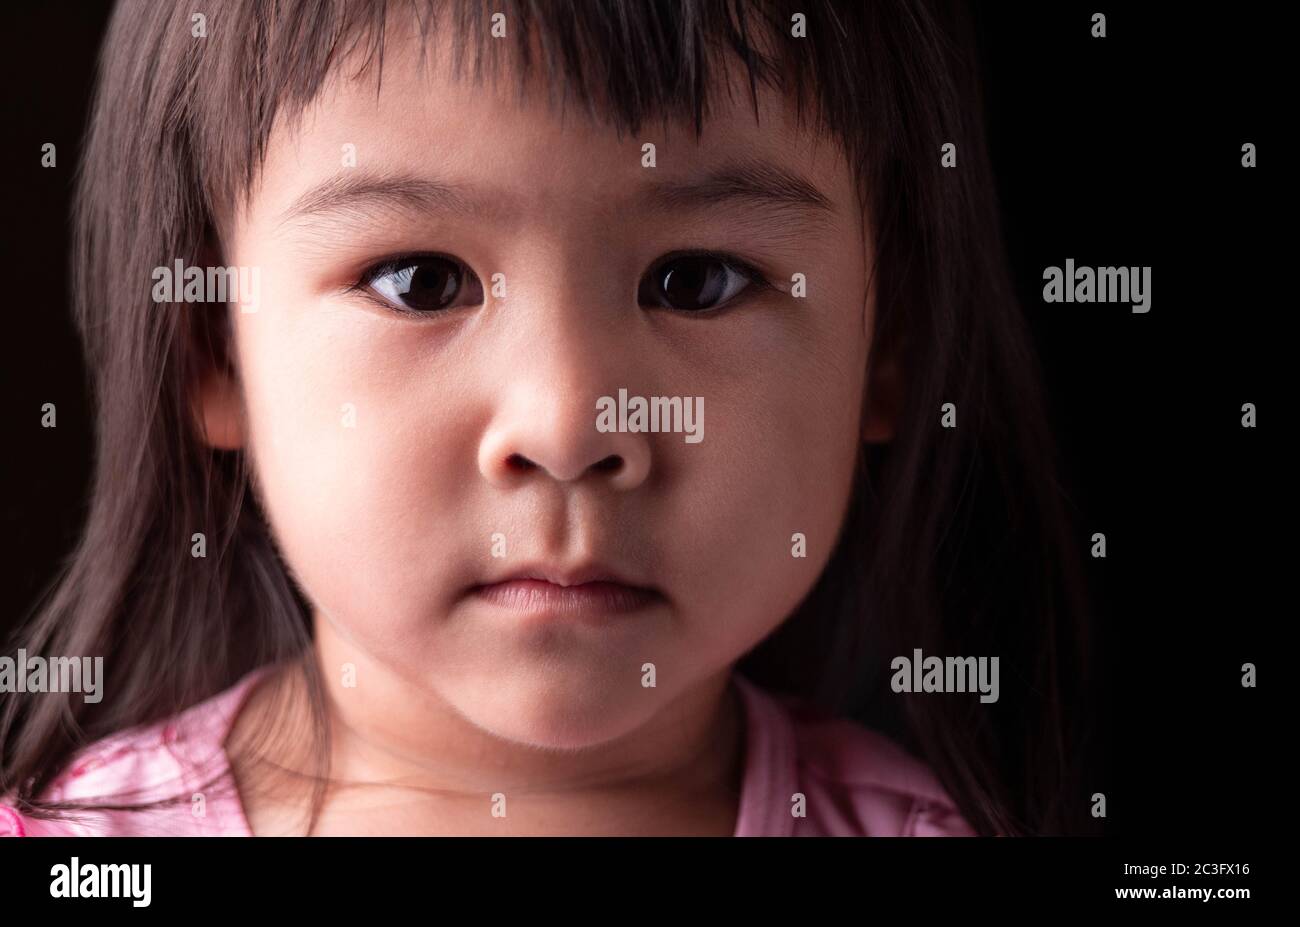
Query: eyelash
(361, 286)
(757, 279)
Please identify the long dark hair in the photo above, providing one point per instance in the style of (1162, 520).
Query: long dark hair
(958, 540)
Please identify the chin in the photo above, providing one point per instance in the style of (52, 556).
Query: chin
(557, 716)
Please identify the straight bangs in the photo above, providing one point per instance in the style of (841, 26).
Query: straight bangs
(623, 63)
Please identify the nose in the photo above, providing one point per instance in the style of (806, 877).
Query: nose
(544, 423)
(556, 437)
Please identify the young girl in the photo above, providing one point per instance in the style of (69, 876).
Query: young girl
(382, 538)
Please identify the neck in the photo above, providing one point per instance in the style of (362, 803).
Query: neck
(404, 760)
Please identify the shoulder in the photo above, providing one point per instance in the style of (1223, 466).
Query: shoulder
(835, 777)
(884, 788)
(180, 756)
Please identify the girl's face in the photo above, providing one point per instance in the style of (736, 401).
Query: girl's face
(406, 458)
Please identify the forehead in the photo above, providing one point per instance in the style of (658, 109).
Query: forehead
(411, 117)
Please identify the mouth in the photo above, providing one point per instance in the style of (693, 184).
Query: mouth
(590, 593)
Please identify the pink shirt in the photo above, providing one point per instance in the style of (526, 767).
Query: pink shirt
(855, 782)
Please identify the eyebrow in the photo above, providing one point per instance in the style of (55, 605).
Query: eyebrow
(760, 183)
(359, 191)
(751, 182)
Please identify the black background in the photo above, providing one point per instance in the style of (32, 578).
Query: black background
(1117, 151)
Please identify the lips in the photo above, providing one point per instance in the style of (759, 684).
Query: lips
(590, 592)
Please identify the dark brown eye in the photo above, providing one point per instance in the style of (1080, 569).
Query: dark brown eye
(695, 283)
(426, 283)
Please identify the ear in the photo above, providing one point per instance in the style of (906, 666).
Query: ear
(218, 409)
(884, 400)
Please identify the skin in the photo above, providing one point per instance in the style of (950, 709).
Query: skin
(384, 524)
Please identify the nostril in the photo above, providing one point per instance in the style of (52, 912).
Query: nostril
(518, 465)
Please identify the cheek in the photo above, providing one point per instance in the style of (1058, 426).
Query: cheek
(362, 477)
(777, 461)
